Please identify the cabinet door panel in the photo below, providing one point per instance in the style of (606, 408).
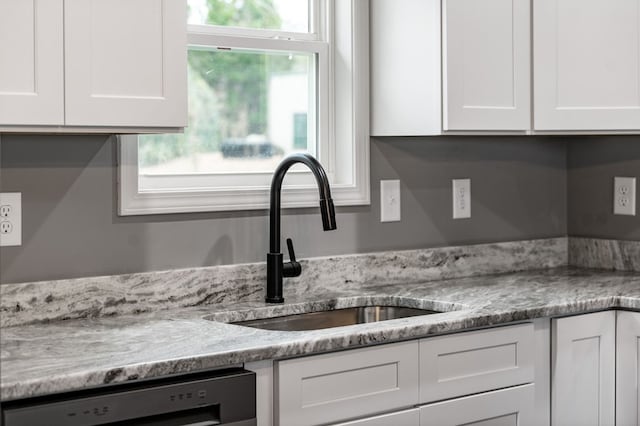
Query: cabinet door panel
(31, 68)
(478, 361)
(505, 407)
(487, 65)
(125, 62)
(401, 418)
(587, 64)
(628, 369)
(327, 388)
(583, 370)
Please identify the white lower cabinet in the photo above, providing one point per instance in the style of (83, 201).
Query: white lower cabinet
(504, 407)
(479, 361)
(399, 418)
(628, 369)
(384, 385)
(345, 385)
(583, 365)
(596, 369)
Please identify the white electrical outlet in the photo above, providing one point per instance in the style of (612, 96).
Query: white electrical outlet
(624, 196)
(389, 201)
(461, 198)
(10, 218)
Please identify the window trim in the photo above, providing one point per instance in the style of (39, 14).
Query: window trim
(347, 120)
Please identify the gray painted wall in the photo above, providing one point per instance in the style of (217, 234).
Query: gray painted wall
(71, 228)
(593, 162)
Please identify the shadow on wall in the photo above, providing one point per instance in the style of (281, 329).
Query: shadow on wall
(593, 162)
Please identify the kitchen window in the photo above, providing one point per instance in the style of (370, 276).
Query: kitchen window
(266, 78)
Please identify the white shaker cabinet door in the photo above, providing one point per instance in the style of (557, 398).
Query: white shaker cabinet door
(31, 66)
(487, 64)
(504, 407)
(125, 63)
(586, 64)
(628, 369)
(583, 370)
(399, 418)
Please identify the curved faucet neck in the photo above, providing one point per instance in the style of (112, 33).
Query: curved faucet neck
(326, 204)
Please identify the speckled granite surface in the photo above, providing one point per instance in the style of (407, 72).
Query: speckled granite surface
(47, 358)
(149, 292)
(604, 254)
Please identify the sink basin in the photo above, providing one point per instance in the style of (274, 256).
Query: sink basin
(334, 318)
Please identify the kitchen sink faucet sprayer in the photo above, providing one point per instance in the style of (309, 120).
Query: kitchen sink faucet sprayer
(276, 268)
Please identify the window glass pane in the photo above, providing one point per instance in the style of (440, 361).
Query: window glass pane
(284, 15)
(247, 110)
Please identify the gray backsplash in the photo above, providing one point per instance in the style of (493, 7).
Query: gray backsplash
(71, 229)
(593, 162)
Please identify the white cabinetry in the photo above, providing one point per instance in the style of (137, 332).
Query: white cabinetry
(486, 62)
(125, 63)
(399, 418)
(504, 407)
(383, 385)
(628, 369)
(104, 65)
(485, 59)
(441, 66)
(31, 62)
(587, 64)
(466, 363)
(583, 365)
(345, 385)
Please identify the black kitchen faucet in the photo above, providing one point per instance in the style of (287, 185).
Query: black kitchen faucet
(276, 268)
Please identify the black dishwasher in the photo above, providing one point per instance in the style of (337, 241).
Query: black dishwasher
(222, 397)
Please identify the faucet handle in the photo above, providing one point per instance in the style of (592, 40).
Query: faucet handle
(291, 268)
(292, 254)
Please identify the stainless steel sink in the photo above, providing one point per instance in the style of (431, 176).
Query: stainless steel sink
(334, 318)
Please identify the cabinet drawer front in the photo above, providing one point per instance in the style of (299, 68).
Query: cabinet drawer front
(400, 418)
(331, 387)
(477, 361)
(505, 407)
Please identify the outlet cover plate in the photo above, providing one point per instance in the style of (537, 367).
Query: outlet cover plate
(10, 219)
(461, 198)
(389, 200)
(624, 196)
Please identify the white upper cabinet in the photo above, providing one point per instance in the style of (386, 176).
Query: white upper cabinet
(486, 65)
(31, 68)
(93, 65)
(440, 66)
(587, 64)
(406, 92)
(125, 63)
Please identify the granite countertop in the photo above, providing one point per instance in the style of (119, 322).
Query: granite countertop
(68, 355)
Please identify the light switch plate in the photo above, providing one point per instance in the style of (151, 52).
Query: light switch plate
(624, 196)
(389, 200)
(461, 198)
(10, 219)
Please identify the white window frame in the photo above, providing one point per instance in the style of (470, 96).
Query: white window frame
(343, 125)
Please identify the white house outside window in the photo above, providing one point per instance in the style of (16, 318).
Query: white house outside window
(266, 78)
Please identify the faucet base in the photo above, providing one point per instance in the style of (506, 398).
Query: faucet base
(274, 299)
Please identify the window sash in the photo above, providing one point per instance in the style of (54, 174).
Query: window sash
(346, 119)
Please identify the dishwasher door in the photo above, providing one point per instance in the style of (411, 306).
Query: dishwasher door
(225, 397)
